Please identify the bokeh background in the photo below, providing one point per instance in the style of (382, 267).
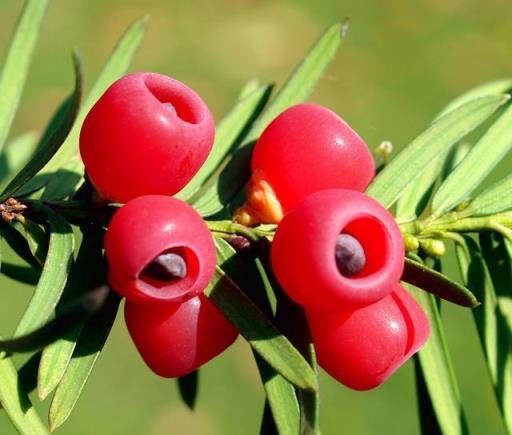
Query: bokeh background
(403, 60)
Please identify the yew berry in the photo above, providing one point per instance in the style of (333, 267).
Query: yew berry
(148, 134)
(337, 247)
(307, 148)
(363, 348)
(176, 339)
(159, 249)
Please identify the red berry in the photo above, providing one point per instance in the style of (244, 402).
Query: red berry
(307, 148)
(148, 134)
(176, 339)
(159, 249)
(307, 242)
(363, 348)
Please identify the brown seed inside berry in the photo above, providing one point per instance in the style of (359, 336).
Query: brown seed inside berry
(167, 267)
(349, 255)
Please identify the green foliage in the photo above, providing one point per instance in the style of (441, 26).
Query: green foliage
(432, 182)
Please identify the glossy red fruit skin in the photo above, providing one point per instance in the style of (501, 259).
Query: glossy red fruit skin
(309, 148)
(132, 145)
(303, 249)
(363, 348)
(146, 227)
(176, 339)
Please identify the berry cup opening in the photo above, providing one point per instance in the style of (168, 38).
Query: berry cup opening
(174, 281)
(186, 106)
(373, 238)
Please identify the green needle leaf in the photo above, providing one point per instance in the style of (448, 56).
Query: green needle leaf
(281, 400)
(305, 77)
(67, 161)
(234, 125)
(443, 134)
(188, 387)
(69, 317)
(54, 276)
(296, 89)
(497, 87)
(16, 402)
(15, 155)
(260, 332)
(53, 141)
(438, 284)
(437, 370)
(88, 272)
(495, 199)
(493, 329)
(36, 238)
(26, 275)
(15, 69)
(479, 162)
(87, 351)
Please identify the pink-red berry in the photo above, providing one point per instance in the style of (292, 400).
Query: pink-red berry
(307, 148)
(320, 269)
(363, 348)
(176, 339)
(159, 250)
(148, 134)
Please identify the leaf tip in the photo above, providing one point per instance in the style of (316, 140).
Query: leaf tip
(344, 27)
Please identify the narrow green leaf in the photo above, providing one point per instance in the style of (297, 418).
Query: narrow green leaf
(16, 402)
(234, 125)
(281, 398)
(498, 259)
(296, 89)
(480, 161)
(495, 199)
(36, 238)
(54, 276)
(188, 387)
(15, 69)
(260, 332)
(427, 416)
(15, 155)
(438, 284)
(268, 424)
(26, 275)
(88, 272)
(497, 87)
(17, 242)
(493, 329)
(416, 195)
(27, 374)
(67, 161)
(431, 145)
(305, 77)
(54, 329)
(437, 370)
(87, 350)
(54, 141)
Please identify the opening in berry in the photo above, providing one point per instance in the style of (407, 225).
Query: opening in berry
(166, 267)
(171, 274)
(373, 240)
(349, 254)
(170, 107)
(174, 98)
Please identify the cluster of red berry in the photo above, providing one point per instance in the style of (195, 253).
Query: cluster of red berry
(336, 251)
(141, 143)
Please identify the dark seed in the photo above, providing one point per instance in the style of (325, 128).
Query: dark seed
(349, 253)
(170, 107)
(166, 267)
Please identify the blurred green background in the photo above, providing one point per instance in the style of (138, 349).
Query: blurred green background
(403, 60)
